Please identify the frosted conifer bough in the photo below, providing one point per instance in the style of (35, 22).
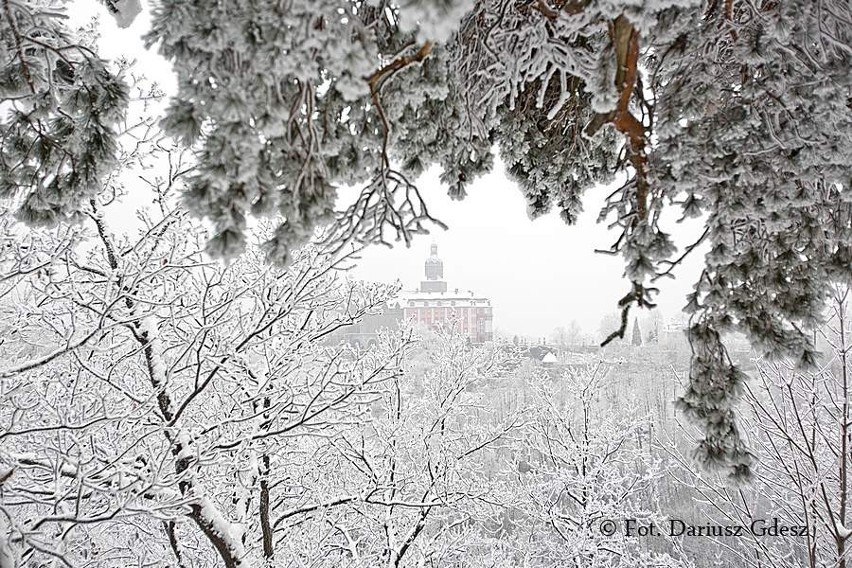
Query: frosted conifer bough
(61, 105)
(734, 111)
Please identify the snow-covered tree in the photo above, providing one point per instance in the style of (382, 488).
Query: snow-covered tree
(149, 391)
(567, 336)
(418, 490)
(578, 468)
(802, 425)
(637, 334)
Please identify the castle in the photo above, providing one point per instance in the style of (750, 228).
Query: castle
(431, 305)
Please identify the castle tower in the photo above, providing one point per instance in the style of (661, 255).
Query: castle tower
(434, 268)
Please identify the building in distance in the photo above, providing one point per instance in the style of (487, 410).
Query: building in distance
(432, 305)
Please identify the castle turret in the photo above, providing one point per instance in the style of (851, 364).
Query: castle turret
(434, 267)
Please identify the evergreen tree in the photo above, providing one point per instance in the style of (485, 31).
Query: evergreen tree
(637, 334)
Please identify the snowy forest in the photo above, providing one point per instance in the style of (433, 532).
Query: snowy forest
(176, 384)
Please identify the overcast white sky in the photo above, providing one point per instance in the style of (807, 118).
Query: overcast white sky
(539, 274)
